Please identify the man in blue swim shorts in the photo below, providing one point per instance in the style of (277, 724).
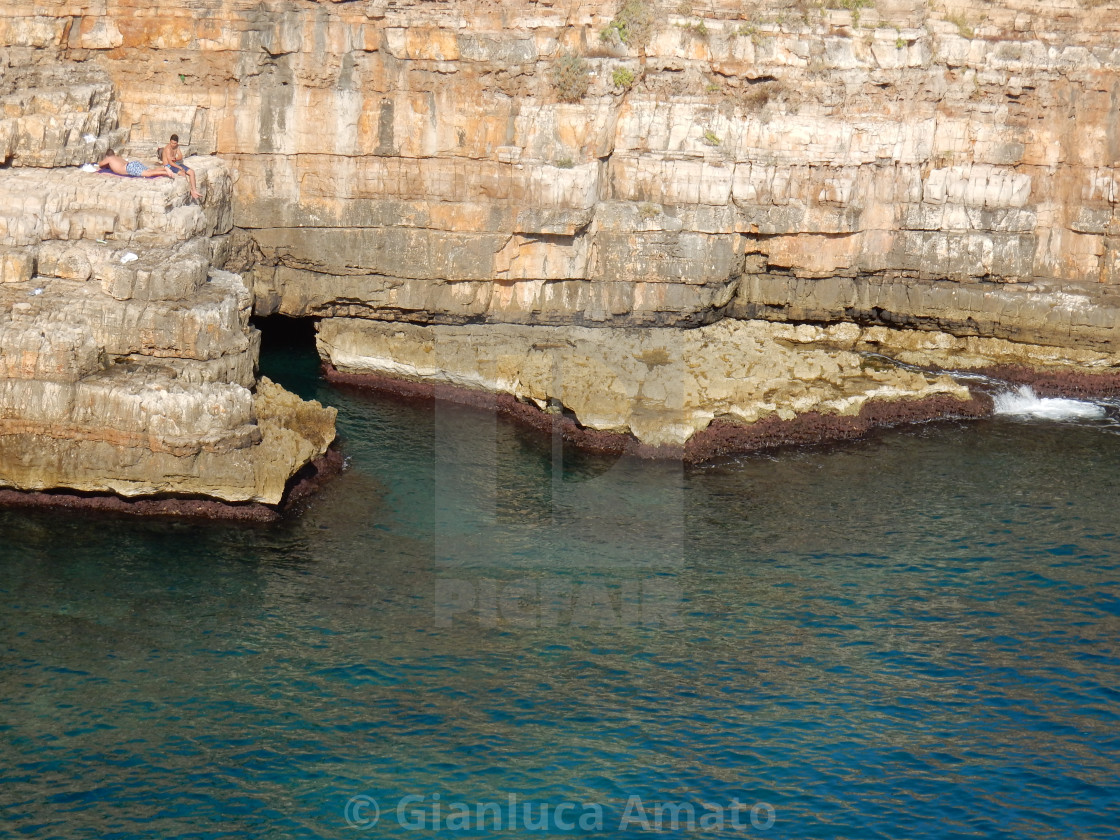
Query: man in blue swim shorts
(135, 168)
(171, 156)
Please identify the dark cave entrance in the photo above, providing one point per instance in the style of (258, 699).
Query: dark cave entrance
(279, 332)
(288, 354)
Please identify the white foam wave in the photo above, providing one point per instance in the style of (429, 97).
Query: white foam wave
(1023, 402)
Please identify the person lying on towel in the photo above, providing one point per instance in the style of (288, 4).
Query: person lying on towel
(135, 168)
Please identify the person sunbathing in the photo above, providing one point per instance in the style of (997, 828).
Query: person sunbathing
(171, 156)
(135, 168)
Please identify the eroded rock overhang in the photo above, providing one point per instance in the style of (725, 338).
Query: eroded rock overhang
(898, 165)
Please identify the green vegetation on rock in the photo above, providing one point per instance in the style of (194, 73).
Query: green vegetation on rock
(570, 77)
(632, 25)
(622, 77)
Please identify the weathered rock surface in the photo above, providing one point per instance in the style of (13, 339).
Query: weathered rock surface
(127, 362)
(1055, 315)
(660, 385)
(930, 349)
(642, 164)
(426, 162)
(56, 114)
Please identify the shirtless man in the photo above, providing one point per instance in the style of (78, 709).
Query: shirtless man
(131, 167)
(172, 158)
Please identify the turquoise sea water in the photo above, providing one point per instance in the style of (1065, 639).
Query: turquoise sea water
(909, 636)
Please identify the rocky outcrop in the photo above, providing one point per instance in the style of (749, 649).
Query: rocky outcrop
(127, 361)
(56, 114)
(639, 164)
(661, 386)
(1031, 315)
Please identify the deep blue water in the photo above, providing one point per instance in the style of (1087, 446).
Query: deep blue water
(909, 636)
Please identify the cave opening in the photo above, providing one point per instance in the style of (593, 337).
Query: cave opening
(288, 353)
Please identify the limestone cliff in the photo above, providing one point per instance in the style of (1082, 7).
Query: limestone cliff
(944, 166)
(127, 362)
(431, 161)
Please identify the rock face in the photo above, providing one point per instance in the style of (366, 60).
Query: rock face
(633, 162)
(660, 385)
(641, 164)
(127, 362)
(1029, 314)
(56, 115)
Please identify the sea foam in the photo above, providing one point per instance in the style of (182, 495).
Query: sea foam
(1023, 402)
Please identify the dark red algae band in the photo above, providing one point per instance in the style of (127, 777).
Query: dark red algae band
(725, 438)
(305, 482)
(720, 439)
(1072, 384)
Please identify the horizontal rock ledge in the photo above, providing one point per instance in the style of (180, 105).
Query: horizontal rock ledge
(721, 439)
(662, 389)
(308, 480)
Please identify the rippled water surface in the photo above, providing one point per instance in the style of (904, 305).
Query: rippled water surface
(913, 635)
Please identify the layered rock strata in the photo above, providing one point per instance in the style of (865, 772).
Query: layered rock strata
(660, 386)
(127, 361)
(56, 114)
(632, 163)
(637, 164)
